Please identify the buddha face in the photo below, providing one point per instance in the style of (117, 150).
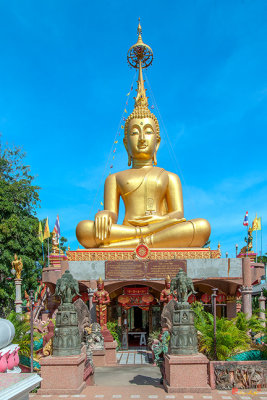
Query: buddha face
(141, 141)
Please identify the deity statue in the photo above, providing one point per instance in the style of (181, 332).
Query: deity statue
(66, 288)
(248, 240)
(166, 296)
(152, 196)
(55, 244)
(182, 286)
(101, 298)
(18, 266)
(67, 339)
(94, 337)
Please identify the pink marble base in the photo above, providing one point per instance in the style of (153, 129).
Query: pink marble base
(88, 375)
(107, 335)
(99, 358)
(62, 375)
(111, 358)
(185, 374)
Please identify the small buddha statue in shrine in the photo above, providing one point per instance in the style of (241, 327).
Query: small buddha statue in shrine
(101, 299)
(152, 196)
(166, 296)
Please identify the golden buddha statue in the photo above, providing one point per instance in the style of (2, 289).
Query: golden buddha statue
(152, 197)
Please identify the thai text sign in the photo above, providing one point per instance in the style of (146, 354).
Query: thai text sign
(136, 291)
(138, 270)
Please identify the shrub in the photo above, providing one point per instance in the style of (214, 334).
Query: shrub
(115, 331)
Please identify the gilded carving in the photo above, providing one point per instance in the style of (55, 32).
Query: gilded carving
(115, 255)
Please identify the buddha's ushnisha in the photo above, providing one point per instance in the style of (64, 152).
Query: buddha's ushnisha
(152, 196)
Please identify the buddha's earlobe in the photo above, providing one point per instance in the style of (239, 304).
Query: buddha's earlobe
(129, 160)
(155, 158)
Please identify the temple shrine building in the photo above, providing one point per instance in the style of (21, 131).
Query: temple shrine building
(137, 259)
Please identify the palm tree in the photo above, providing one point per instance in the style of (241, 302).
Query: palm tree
(22, 333)
(229, 338)
(244, 324)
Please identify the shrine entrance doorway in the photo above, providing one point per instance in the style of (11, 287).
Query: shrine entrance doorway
(136, 309)
(138, 326)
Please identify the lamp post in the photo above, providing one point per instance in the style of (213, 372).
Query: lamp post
(213, 296)
(226, 254)
(236, 249)
(31, 310)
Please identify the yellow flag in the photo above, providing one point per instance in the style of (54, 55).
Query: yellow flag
(101, 203)
(46, 230)
(125, 111)
(40, 233)
(256, 224)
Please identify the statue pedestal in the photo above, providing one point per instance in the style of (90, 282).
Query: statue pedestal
(63, 374)
(186, 373)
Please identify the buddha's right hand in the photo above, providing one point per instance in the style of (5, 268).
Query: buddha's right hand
(103, 223)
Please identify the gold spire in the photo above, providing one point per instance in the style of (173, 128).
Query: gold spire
(141, 99)
(140, 56)
(139, 32)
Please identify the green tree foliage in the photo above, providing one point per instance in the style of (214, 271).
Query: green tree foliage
(23, 333)
(19, 199)
(262, 259)
(18, 223)
(115, 331)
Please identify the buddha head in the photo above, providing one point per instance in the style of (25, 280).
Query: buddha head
(141, 135)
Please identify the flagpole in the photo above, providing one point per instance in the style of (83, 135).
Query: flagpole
(247, 242)
(256, 246)
(261, 236)
(48, 252)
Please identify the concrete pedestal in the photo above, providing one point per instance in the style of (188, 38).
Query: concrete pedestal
(18, 301)
(111, 358)
(99, 358)
(262, 307)
(106, 335)
(62, 375)
(247, 301)
(185, 374)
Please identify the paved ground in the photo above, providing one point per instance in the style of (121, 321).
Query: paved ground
(128, 376)
(142, 383)
(136, 357)
(150, 393)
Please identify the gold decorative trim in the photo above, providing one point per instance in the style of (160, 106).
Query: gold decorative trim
(154, 254)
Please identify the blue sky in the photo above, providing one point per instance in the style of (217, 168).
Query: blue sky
(63, 85)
